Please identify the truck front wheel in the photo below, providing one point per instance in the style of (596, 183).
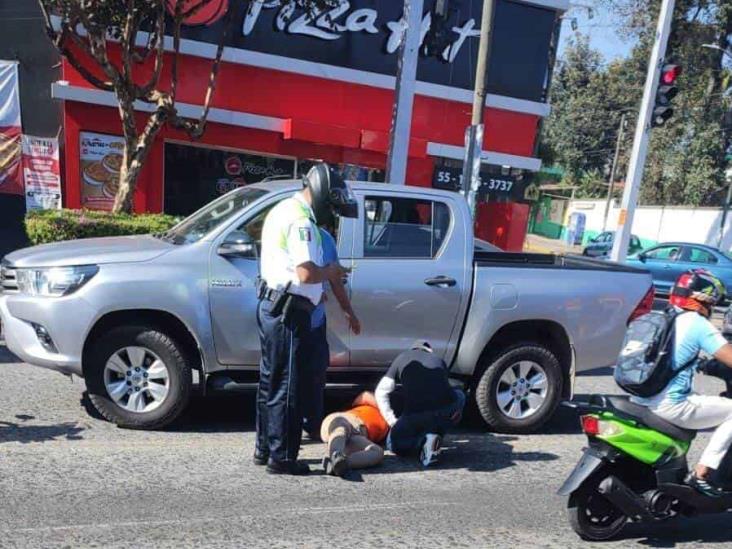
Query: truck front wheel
(137, 377)
(520, 389)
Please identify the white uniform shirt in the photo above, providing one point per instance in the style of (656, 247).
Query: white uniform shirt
(289, 239)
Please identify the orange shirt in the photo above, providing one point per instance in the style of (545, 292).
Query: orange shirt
(376, 425)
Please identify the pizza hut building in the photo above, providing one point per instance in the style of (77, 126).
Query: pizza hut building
(291, 91)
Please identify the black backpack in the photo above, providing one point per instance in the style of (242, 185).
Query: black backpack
(645, 365)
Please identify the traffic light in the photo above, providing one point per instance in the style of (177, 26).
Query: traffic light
(667, 90)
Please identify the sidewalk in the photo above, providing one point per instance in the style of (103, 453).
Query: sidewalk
(542, 245)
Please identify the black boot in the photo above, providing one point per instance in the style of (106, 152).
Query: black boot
(260, 458)
(287, 467)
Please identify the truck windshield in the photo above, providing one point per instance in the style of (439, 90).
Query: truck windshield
(205, 220)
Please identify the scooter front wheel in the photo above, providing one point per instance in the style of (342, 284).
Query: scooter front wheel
(593, 517)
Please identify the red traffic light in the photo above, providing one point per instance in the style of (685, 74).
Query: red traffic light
(670, 73)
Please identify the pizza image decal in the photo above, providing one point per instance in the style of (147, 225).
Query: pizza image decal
(209, 12)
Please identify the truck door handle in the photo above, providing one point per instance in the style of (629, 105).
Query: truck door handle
(441, 281)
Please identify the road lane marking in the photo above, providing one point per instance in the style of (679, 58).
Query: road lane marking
(304, 511)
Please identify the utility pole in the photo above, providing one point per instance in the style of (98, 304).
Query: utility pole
(725, 212)
(406, 79)
(474, 132)
(611, 183)
(642, 134)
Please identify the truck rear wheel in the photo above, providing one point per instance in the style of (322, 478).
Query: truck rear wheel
(138, 377)
(520, 389)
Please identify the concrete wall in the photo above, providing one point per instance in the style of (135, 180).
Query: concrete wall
(654, 224)
(23, 38)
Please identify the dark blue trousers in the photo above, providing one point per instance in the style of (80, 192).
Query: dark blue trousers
(408, 433)
(313, 379)
(279, 413)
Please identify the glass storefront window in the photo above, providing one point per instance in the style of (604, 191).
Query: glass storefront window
(349, 172)
(194, 176)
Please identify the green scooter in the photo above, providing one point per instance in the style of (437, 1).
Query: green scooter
(634, 467)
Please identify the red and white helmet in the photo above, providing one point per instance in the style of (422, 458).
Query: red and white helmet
(695, 288)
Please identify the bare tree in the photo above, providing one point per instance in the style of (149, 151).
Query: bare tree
(82, 31)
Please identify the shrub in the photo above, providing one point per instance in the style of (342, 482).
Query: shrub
(44, 226)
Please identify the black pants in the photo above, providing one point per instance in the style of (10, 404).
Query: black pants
(279, 414)
(313, 380)
(407, 435)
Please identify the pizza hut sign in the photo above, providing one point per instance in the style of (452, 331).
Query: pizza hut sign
(326, 23)
(366, 34)
(335, 22)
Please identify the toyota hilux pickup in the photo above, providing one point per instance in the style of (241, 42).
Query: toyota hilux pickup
(139, 317)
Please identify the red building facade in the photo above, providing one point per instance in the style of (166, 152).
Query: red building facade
(291, 91)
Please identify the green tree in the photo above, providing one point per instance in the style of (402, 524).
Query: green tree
(686, 159)
(588, 101)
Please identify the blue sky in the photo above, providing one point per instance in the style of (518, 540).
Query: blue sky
(601, 30)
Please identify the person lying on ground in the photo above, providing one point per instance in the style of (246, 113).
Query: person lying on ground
(352, 437)
(431, 405)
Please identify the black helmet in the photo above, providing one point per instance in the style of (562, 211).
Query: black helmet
(330, 193)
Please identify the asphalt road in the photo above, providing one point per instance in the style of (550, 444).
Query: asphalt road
(70, 479)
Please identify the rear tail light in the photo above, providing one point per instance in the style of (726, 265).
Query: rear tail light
(645, 306)
(590, 425)
(594, 426)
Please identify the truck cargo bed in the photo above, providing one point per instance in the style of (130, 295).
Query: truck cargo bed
(548, 261)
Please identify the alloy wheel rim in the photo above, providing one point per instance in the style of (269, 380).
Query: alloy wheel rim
(136, 379)
(522, 389)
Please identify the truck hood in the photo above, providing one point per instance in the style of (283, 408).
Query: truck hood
(91, 251)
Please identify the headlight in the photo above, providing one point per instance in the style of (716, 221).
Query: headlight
(54, 281)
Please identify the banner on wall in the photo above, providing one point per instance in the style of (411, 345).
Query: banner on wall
(100, 164)
(41, 173)
(11, 176)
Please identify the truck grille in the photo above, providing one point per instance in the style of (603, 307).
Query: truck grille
(8, 282)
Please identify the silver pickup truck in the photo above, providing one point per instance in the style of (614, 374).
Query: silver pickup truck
(137, 316)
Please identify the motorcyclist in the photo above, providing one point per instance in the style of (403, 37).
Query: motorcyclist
(694, 295)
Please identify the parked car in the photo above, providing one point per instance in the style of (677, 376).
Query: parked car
(727, 324)
(135, 315)
(668, 261)
(602, 245)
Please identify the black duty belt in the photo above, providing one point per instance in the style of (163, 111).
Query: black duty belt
(284, 302)
(270, 294)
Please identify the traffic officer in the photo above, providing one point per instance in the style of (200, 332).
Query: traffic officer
(291, 285)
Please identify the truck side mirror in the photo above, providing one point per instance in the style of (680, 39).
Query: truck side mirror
(642, 257)
(238, 244)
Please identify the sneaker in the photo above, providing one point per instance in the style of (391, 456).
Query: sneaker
(336, 464)
(430, 449)
(703, 486)
(287, 468)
